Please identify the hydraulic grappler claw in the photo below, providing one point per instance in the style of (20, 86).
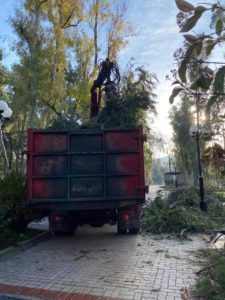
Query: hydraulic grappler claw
(106, 69)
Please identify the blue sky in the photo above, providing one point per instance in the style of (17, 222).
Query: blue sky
(154, 47)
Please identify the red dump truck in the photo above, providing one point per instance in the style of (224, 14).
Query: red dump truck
(87, 177)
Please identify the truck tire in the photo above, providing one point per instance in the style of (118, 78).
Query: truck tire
(134, 230)
(121, 229)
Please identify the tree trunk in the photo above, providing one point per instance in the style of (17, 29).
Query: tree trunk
(96, 32)
(33, 65)
(2, 147)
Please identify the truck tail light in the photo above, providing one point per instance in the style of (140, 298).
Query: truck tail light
(56, 218)
(126, 217)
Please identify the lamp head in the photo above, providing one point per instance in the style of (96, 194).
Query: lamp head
(193, 130)
(3, 106)
(5, 111)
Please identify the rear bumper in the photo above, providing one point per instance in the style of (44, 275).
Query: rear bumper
(87, 205)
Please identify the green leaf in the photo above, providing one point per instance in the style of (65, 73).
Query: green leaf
(194, 86)
(200, 9)
(218, 85)
(175, 92)
(209, 48)
(182, 71)
(203, 82)
(219, 26)
(191, 22)
(211, 102)
(191, 50)
(198, 48)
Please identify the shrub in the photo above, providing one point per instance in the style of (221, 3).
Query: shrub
(14, 212)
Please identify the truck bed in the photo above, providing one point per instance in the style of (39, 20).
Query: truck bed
(85, 169)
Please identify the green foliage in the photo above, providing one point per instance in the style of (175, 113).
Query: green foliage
(218, 84)
(14, 212)
(211, 283)
(180, 211)
(56, 66)
(136, 99)
(192, 21)
(157, 172)
(181, 119)
(147, 162)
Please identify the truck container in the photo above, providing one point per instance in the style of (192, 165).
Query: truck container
(87, 177)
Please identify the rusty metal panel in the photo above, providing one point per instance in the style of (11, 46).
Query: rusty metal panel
(122, 141)
(86, 142)
(50, 165)
(50, 188)
(123, 186)
(122, 163)
(86, 164)
(50, 142)
(86, 187)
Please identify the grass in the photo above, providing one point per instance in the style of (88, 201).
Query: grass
(9, 238)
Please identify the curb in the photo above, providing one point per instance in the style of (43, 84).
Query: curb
(35, 240)
(22, 246)
(17, 297)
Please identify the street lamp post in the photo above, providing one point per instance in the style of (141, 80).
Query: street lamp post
(5, 114)
(195, 132)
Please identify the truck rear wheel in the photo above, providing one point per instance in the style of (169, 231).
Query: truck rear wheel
(61, 225)
(121, 229)
(134, 230)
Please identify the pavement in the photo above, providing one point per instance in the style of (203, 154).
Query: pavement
(96, 263)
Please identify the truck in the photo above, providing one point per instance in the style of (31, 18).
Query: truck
(87, 176)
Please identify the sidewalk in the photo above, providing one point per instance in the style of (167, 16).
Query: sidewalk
(100, 263)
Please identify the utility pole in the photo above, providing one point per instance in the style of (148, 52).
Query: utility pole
(203, 203)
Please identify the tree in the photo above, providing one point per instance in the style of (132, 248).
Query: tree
(203, 85)
(181, 119)
(135, 100)
(57, 54)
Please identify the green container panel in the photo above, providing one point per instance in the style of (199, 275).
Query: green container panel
(122, 163)
(50, 165)
(86, 187)
(86, 143)
(51, 143)
(51, 188)
(86, 164)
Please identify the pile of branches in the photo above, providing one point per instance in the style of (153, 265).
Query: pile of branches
(211, 282)
(179, 213)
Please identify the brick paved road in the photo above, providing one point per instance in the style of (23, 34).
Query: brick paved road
(99, 262)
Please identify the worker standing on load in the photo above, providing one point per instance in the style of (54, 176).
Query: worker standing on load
(107, 67)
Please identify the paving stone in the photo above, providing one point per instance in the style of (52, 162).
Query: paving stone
(99, 262)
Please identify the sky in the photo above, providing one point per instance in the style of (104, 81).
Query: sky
(153, 47)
